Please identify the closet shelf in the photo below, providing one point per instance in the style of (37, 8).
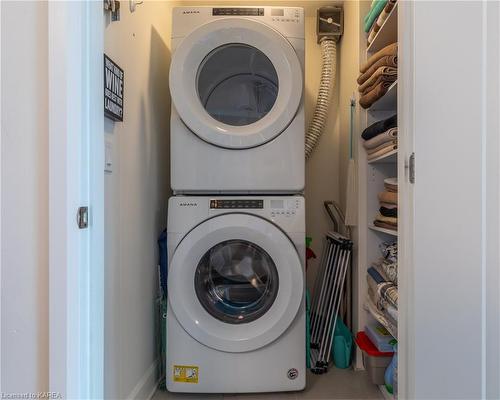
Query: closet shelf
(388, 102)
(389, 158)
(383, 230)
(387, 34)
(385, 393)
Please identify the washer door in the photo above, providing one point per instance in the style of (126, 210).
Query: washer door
(235, 282)
(236, 83)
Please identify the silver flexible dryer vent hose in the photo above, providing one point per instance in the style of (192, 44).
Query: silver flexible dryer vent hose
(327, 83)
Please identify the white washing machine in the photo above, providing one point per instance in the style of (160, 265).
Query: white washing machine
(236, 80)
(236, 309)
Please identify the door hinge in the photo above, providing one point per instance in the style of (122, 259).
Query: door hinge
(411, 169)
(82, 218)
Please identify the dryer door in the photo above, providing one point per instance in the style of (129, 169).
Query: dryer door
(235, 282)
(236, 83)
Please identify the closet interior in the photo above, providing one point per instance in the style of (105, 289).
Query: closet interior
(380, 181)
(361, 127)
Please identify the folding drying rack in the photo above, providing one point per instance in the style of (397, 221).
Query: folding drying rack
(329, 290)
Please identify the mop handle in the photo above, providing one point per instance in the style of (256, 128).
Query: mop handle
(351, 127)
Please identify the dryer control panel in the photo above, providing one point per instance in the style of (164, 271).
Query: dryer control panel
(277, 14)
(243, 11)
(288, 21)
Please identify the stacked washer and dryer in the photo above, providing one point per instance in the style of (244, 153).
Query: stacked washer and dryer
(236, 225)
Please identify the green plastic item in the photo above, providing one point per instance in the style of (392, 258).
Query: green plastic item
(342, 345)
(308, 329)
(375, 11)
(308, 241)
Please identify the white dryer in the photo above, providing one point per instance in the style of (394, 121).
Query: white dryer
(236, 80)
(236, 294)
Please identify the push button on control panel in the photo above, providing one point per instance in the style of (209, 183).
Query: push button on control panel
(282, 208)
(285, 15)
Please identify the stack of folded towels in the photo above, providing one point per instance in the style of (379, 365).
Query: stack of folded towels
(376, 17)
(382, 278)
(381, 137)
(378, 74)
(387, 216)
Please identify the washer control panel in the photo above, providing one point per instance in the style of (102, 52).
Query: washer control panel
(286, 212)
(276, 207)
(224, 204)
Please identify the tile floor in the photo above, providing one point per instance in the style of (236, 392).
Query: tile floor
(336, 384)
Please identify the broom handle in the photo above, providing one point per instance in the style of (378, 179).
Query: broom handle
(351, 127)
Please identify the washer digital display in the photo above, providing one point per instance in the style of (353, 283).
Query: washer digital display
(237, 204)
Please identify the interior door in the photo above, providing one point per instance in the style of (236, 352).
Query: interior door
(235, 282)
(76, 157)
(451, 109)
(236, 83)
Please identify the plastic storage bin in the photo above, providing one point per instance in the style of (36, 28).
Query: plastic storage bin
(375, 362)
(380, 337)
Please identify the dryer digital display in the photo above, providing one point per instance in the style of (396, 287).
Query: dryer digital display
(256, 12)
(235, 204)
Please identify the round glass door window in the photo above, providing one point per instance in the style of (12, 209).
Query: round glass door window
(236, 281)
(237, 84)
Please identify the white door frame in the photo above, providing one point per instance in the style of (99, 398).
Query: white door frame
(76, 178)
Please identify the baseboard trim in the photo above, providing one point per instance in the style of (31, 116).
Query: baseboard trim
(146, 387)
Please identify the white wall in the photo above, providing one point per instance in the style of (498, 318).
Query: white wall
(348, 73)
(24, 197)
(136, 194)
(322, 169)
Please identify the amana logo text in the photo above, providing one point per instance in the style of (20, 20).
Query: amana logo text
(188, 204)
